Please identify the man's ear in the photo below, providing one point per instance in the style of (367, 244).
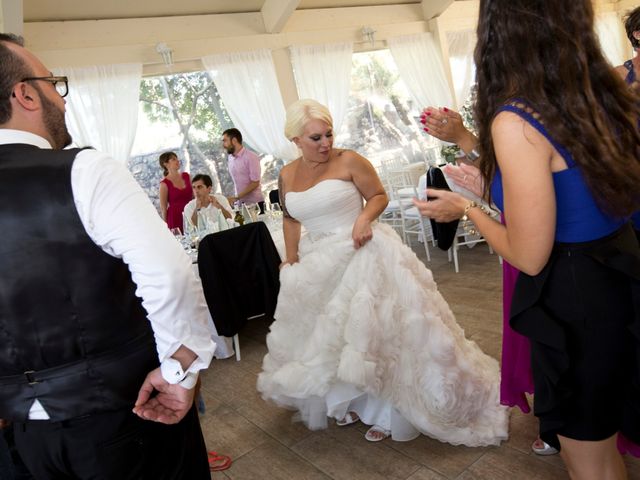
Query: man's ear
(25, 96)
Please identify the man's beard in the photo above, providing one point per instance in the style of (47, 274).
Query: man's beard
(54, 122)
(230, 150)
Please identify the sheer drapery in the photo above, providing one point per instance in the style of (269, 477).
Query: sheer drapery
(421, 68)
(463, 68)
(611, 33)
(323, 72)
(248, 86)
(102, 106)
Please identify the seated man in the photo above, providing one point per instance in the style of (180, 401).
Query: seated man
(205, 202)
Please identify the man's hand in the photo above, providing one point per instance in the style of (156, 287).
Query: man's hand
(4, 423)
(169, 406)
(232, 200)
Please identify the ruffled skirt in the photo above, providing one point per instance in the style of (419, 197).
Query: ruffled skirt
(368, 329)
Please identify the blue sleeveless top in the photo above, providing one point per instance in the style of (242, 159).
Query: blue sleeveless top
(578, 217)
(629, 79)
(631, 75)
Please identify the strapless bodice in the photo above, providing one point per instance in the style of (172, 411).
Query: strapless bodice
(329, 206)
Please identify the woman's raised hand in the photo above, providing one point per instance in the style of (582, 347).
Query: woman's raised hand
(444, 124)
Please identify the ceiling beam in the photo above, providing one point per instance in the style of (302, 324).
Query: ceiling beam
(276, 14)
(433, 8)
(11, 17)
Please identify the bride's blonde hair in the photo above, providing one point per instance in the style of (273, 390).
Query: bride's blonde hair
(300, 112)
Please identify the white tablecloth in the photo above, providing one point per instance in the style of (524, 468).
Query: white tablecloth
(224, 345)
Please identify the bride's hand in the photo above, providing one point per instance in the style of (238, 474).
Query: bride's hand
(361, 233)
(288, 262)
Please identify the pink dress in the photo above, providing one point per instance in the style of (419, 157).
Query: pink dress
(515, 376)
(177, 198)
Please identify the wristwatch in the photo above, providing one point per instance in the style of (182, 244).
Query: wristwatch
(473, 155)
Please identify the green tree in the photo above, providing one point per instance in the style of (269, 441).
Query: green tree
(193, 103)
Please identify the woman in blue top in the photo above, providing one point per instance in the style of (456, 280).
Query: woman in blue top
(560, 151)
(630, 71)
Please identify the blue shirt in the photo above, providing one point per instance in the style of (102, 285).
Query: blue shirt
(578, 217)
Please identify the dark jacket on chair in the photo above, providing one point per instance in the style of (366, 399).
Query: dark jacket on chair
(239, 269)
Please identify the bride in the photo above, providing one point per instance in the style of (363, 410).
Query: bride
(361, 331)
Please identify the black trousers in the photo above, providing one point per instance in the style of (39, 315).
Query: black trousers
(113, 446)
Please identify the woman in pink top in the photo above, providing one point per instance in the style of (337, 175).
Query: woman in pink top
(175, 190)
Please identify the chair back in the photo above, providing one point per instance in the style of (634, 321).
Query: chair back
(239, 269)
(274, 196)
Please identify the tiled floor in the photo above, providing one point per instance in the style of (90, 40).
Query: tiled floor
(265, 444)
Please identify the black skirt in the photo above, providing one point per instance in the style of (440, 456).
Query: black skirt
(582, 316)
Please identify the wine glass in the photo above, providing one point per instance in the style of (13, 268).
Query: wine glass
(255, 211)
(276, 211)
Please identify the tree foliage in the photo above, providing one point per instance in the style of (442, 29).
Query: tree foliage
(192, 102)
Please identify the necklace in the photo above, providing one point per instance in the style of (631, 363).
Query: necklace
(315, 164)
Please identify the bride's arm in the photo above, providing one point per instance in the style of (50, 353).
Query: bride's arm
(366, 179)
(290, 227)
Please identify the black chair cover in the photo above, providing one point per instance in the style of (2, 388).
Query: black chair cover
(239, 269)
(444, 233)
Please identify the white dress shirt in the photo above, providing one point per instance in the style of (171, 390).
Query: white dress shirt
(120, 219)
(210, 210)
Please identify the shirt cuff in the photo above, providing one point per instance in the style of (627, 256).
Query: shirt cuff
(189, 381)
(172, 371)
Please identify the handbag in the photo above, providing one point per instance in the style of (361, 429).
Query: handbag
(443, 232)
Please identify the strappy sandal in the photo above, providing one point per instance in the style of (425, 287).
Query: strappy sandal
(370, 435)
(545, 450)
(218, 462)
(348, 419)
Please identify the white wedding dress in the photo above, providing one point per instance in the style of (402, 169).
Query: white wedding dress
(367, 331)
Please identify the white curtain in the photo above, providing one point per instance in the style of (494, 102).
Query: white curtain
(463, 68)
(323, 72)
(102, 106)
(248, 86)
(612, 38)
(421, 68)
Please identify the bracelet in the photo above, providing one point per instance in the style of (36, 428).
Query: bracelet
(473, 155)
(466, 222)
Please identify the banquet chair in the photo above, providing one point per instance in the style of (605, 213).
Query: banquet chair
(391, 214)
(413, 223)
(463, 238)
(274, 196)
(239, 269)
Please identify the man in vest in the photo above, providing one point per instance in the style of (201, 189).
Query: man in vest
(102, 320)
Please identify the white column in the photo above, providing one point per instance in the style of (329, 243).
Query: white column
(11, 17)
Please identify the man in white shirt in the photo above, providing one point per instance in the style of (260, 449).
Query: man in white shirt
(205, 203)
(103, 322)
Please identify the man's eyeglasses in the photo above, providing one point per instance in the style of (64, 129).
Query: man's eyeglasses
(61, 84)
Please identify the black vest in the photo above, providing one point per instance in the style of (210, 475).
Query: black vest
(72, 332)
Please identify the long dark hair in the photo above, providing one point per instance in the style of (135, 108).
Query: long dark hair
(632, 24)
(163, 159)
(546, 52)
